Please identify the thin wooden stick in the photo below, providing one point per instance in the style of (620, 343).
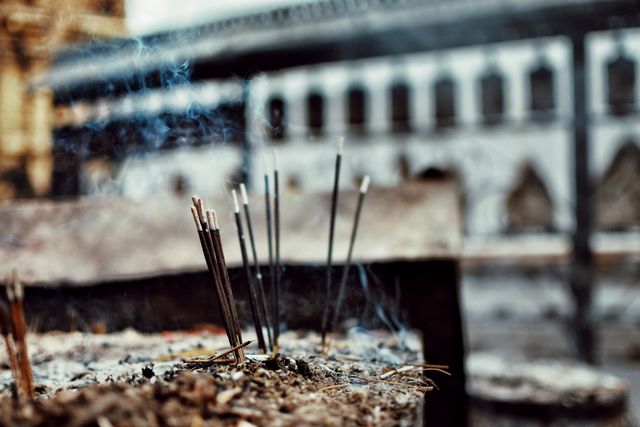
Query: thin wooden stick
(333, 387)
(334, 204)
(5, 326)
(225, 292)
(276, 208)
(364, 186)
(253, 300)
(272, 275)
(15, 294)
(258, 276)
(214, 357)
(224, 273)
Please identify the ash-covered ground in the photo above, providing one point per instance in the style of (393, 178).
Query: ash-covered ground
(129, 378)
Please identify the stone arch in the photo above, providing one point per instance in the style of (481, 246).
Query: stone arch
(617, 201)
(276, 109)
(541, 92)
(315, 113)
(621, 85)
(492, 97)
(400, 107)
(444, 91)
(357, 109)
(529, 205)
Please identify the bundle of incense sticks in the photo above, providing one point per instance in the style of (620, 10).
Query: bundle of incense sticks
(14, 332)
(206, 223)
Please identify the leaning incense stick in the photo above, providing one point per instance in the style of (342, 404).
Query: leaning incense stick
(334, 204)
(364, 186)
(245, 261)
(5, 329)
(15, 294)
(278, 266)
(260, 285)
(224, 274)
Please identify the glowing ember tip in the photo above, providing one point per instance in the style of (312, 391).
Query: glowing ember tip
(243, 191)
(236, 206)
(365, 184)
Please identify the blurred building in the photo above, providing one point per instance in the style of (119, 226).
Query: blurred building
(30, 33)
(416, 94)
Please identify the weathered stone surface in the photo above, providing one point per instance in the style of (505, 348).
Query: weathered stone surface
(95, 240)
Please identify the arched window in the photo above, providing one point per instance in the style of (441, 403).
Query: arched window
(492, 97)
(315, 113)
(276, 109)
(400, 108)
(621, 84)
(445, 103)
(541, 86)
(356, 110)
(529, 205)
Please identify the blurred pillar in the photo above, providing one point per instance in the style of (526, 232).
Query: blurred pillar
(582, 327)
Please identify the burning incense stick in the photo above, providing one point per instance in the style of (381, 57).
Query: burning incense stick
(258, 276)
(276, 208)
(364, 186)
(272, 276)
(5, 329)
(334, 204)
(247, 270)
(15, 295)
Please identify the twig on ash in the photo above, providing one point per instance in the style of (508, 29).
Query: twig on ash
(217, 356)
(260, 285)
(15, 294)
(333, 387)
(364, 186)
(276, 209)
(253, 300)
(334, 204)
(5, 328)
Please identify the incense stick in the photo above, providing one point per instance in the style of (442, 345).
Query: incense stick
(15, 294)
(276, 208)
(364, 186)
(5, 329)
(334, 204)
(224, 274)
(253, 301)
(272, 276)
(258, 275)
